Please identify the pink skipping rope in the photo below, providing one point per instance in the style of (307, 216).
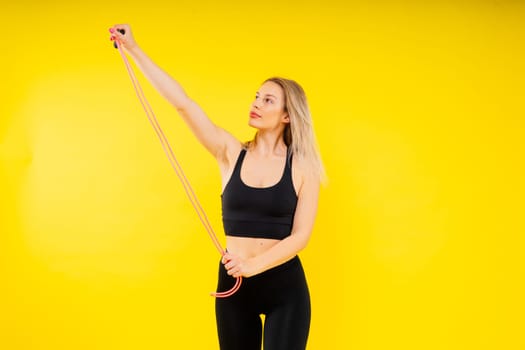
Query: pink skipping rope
(176, 166)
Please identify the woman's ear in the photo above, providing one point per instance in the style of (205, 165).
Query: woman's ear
(286, 118)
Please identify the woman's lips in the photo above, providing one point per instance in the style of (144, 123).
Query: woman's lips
(254, 115)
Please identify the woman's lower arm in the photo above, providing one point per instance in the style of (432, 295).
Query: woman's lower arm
(279, 253)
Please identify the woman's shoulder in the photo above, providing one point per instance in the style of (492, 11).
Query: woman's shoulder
(299, 165)
(304, 173)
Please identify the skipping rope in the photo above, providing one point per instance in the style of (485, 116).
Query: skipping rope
(175, 164)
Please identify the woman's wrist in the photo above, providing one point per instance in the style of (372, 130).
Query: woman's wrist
(254, 266)
(134, 49)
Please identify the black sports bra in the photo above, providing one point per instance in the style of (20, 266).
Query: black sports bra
(259, 212)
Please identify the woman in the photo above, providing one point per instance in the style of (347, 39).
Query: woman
(269, 202)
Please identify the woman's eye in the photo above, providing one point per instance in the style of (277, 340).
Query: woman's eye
(268, 100)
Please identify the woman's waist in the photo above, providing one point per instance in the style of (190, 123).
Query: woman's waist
(249, 247)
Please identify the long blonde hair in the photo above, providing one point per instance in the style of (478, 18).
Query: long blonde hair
(299, 134)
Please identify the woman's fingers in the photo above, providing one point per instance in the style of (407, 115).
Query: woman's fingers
(225, 258)
(237, 267)
(232, 264)
(235, 271)
(122, 33)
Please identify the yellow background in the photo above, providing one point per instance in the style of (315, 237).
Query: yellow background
(419, 241)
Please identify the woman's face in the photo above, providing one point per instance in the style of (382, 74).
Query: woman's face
(267, 110)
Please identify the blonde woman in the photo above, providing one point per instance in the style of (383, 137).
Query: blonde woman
(269, 203)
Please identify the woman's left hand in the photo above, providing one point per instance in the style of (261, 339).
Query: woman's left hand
(235, 266)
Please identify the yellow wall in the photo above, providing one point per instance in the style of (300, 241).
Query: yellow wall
(419, 242)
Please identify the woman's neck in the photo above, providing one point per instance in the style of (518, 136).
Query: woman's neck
(266, 143)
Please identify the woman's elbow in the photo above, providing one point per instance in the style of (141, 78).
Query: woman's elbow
(182, 105)
(302, 241)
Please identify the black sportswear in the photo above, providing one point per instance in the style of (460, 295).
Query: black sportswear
(281, 294)
(259, 212)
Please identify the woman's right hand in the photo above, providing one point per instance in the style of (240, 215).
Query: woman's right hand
(126, 40)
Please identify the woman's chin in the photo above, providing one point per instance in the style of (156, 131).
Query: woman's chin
(253, 123)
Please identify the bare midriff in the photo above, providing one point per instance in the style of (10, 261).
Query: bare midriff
(247, 247)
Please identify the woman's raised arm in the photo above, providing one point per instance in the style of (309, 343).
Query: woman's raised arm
(215, 139)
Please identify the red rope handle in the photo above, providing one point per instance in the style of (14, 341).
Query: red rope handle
(176, 166)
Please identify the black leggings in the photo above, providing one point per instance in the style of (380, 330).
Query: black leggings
(281, 294)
